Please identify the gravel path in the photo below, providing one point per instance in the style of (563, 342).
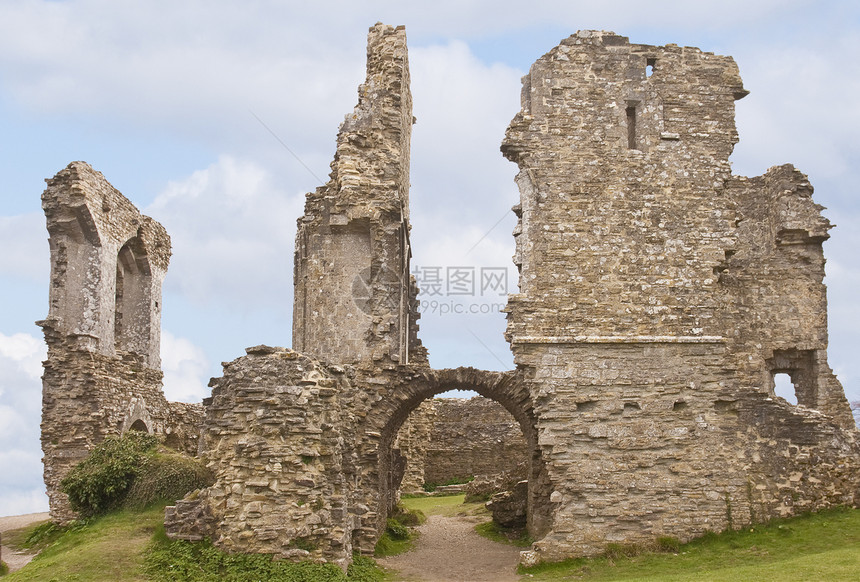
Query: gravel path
(449, 550)
(14, 560)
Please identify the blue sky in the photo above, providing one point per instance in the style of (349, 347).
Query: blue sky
(164, 97)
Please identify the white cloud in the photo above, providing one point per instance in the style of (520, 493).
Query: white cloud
(233, 231)
(24, 241)
(797, 110)
(21, 488)
(185, 369)
(21, 501)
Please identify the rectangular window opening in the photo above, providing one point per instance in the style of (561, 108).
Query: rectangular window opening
(631, 127)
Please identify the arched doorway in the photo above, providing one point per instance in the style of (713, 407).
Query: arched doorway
(407, 392)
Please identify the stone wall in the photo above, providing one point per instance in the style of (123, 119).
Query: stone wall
(102, 375)
(276, 437)
(302, 452)
(355, 299)
(470, 437)
(412, 441)
(658, 296)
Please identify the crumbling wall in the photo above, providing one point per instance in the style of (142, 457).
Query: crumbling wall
(355, 299)
(412, 441)
(658, 295)
(302, 452)
(277, 438)
(456, 438)
(103, 329)
(470, 437)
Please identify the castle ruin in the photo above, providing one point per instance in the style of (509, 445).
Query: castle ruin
(659, 295)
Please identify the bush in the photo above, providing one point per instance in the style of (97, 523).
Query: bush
(364, 569)
(181, 561)
(130, 471)
(166, 476)
(4, 569)
(100, 482)
(396, 530)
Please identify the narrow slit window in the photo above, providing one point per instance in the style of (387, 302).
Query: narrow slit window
(650, 65)
(631, 127)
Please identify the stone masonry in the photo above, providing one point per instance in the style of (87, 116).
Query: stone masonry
(459, 438)
(355, 299)
(103, 329)
(659, 294)
(658, 297)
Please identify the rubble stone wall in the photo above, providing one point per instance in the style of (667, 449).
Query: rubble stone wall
(470, 437)
(355, 299)
(412, 441)
(103, 327)
(303, 452)
(659, 295)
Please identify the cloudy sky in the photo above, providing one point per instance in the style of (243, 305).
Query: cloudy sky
(187, 107)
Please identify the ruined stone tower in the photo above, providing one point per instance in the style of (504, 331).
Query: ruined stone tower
(354, 300)
(658, 297)
(103, 372)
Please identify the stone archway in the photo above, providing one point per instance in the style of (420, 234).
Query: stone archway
(405, 392)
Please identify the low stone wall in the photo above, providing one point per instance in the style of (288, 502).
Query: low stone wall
(472, 437)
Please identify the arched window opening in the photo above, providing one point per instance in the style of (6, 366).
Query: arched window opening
(133, 291)
(139, 426)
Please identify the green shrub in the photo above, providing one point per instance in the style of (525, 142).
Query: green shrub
(166, 476)
(364, 569)
(131, 471)
(4, 569)
(397, 530)
(181, 561)
(100, 482)
(408, 517)
(397, 537)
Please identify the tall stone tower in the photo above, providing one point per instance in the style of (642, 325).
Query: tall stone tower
(659, 295)
(354, 299)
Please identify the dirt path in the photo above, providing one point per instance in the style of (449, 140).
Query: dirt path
(14, 560)
(449, 550)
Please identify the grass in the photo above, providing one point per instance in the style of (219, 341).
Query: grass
(130, 545)
(118, 547)
(399, 535)
(447, 505)
(518, 537)
(431, 486)
(823, 546)
(108, 548)
(455, 505)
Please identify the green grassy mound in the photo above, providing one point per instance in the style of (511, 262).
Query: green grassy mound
(821, 546)
(131, 471)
